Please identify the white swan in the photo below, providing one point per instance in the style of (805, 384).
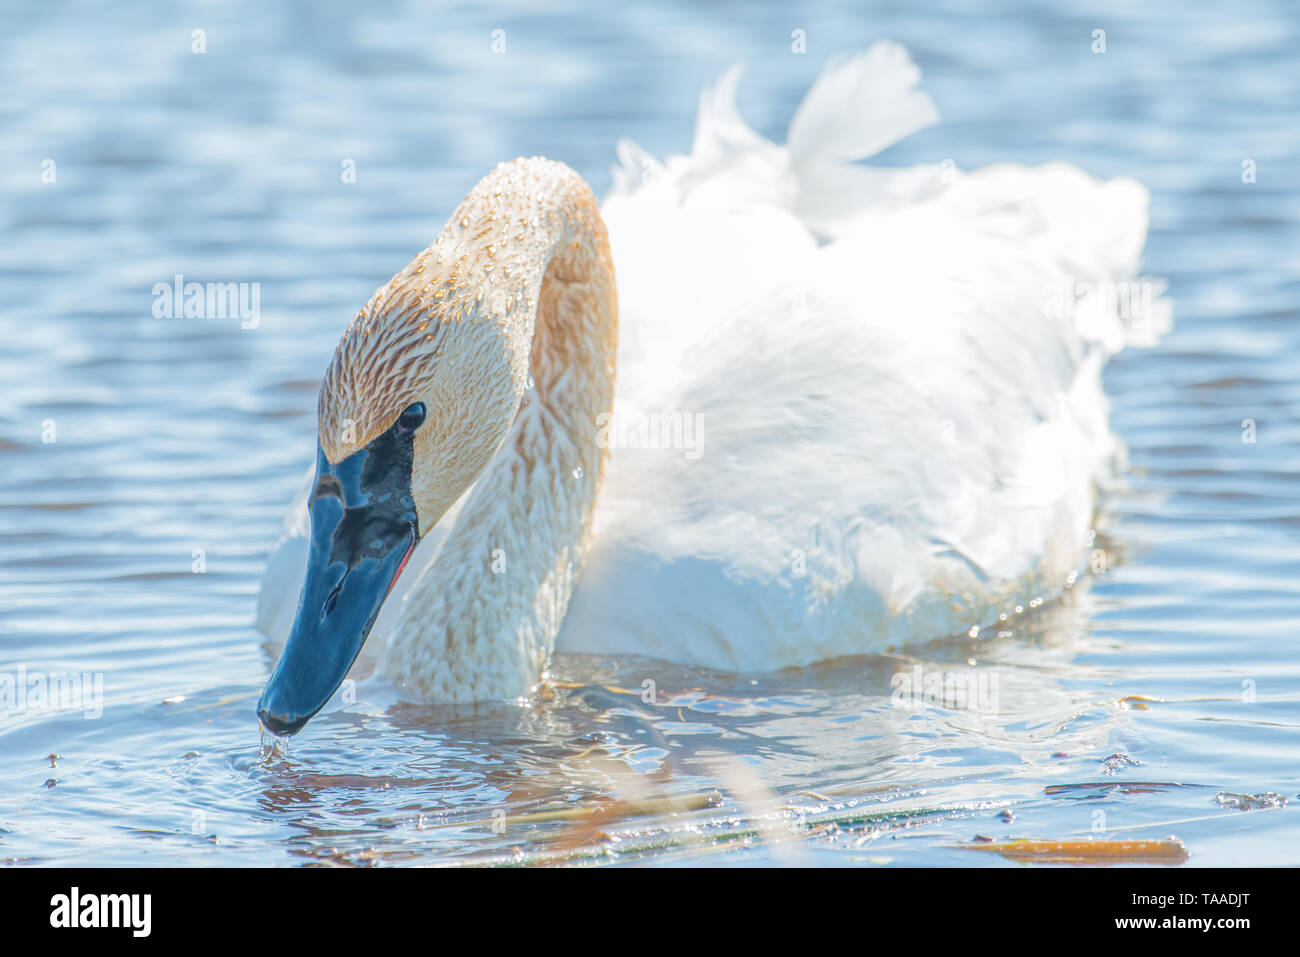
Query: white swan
(881, 389)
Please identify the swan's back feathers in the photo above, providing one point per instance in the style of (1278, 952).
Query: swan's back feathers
(901, 428)
(1093, 231)
(890, 452)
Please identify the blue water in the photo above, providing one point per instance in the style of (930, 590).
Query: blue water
(131, 544)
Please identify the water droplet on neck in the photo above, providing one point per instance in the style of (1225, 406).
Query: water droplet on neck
(529, 383)
(578, 472)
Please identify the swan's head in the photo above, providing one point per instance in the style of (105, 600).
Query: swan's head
(418, 397)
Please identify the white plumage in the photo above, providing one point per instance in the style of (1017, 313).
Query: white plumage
(884, 384)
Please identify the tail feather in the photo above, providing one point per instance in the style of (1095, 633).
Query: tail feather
(860, 106)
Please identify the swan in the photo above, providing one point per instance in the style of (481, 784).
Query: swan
(856, 408)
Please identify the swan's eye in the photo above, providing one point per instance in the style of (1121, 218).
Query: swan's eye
(411, 419)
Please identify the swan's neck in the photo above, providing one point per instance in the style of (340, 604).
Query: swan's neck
(482, 619)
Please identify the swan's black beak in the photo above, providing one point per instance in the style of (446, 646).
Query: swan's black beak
(364, 526)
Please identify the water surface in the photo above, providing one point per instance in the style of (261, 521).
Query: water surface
(1145, 704)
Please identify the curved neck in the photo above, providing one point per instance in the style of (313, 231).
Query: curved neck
(481, 621)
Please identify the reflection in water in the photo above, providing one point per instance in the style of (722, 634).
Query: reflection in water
(624, 756)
